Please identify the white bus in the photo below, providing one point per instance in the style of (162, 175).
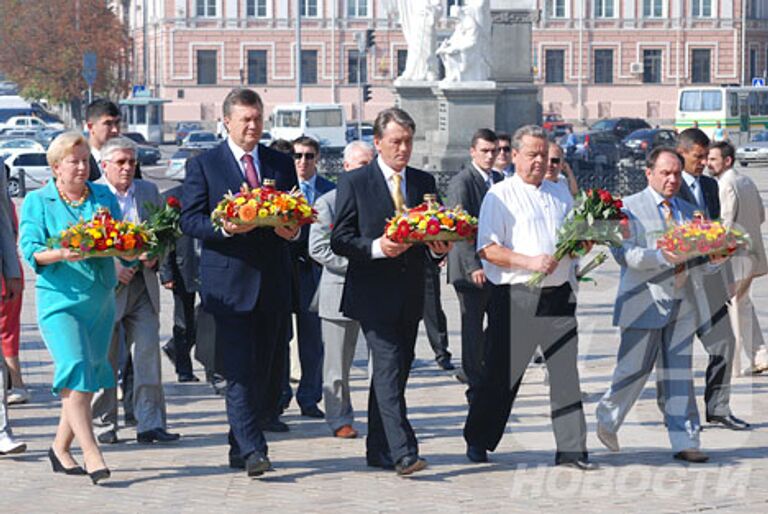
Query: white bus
(324, 122)
(741, 111)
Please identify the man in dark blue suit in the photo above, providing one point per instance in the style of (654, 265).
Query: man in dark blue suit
(244, 273)
(384, 287)
(306, 278)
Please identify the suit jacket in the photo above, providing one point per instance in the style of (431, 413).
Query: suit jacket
(306, 272)
(236, 271)
(742, 206)
(467, 188)
(182, 264)
(378, 289)
(647, 297)
(331, 288)
(9, 263)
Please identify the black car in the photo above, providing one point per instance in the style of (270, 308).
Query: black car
(591, 151)
(139, 139)
(619, 128)
(147, 153)
(639, 143)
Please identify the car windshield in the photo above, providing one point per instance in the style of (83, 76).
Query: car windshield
(604, 125)
(761, 137)
(202, 136)
(135, 136)
(638, 134)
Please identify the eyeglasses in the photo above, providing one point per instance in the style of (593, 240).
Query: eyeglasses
(505, 149)
(122, 162)
(554, 160)
(307, 155)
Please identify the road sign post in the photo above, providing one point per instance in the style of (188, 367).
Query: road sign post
(90, 72)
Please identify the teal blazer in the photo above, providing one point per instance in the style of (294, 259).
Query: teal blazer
(44, 215)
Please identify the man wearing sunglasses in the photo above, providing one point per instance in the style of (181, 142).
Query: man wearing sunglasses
(503, 163)
(306, 277)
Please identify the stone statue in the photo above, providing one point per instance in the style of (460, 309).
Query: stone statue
(466, 54)
(418, 19)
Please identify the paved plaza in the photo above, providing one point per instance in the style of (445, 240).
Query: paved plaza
(317, 473)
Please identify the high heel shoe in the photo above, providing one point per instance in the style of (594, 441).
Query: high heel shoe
(58, 467)
(99, 475)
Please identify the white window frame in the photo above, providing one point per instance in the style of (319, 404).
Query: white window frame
(550, 7)
(601, 5)
(700, 3)
(305, 6)
(356, 4)
(207, 4)
(651, 16)
(268, 14)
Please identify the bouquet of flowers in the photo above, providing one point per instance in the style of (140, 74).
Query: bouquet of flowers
(595, 218)
(701, 236)
(264, 207)
(104, 236)
(163, 224)
(431, 221)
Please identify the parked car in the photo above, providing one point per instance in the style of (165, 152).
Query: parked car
(755, 151)
(200, 139)
(185, 127)
(177, 163)
(147, 153)
(22, 123)
(139, 139)
(554, 123)
(598, 152)
(619, 127)
(21, 143)
(639, 143)
(45, 136)
(26, 169)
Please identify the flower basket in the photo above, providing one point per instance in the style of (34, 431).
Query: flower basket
(702, 237)
(104, 236)
(264, 207)
(431, 221)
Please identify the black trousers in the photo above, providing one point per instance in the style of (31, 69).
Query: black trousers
(184, 327)
(475, 304)
(435, 322)
(544, 318)
(390, 435)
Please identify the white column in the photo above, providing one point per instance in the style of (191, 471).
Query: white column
(629, 13)
(231, 13)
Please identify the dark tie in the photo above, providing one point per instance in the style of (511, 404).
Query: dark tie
(250, 171)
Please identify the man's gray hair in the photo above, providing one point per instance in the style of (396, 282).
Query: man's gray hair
(241, 96)
(356, 145)
(116, 144)
(527, 130)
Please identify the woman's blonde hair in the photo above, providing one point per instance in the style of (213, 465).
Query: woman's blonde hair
(64, 145)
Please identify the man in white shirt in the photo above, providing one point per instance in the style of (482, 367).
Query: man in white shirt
(518, 225)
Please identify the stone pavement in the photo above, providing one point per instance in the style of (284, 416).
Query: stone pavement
(317, 473)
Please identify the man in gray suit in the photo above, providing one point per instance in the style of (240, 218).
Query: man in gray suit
(656, 312)
(339, 332)
(465, 271)
(9, 267)
(137, 308)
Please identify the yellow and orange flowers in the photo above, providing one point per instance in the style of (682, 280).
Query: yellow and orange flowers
(701, 236)
(264, 207)
(104, 236)
(431, 221)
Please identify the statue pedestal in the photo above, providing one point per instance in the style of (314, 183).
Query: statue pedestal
(418, 99)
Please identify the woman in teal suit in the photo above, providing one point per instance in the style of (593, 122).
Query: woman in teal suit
(75, 298)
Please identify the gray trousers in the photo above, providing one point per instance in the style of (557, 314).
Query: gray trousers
(340, 340)
(141, 326)
(637, 356)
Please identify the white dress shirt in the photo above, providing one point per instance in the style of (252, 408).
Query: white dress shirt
(239, 153)
(525, 219)
(97, 156)
(694, 184)
(127, 202)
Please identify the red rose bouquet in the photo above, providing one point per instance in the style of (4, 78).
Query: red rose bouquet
(701, 236)
(596, 218)
(264, 207)
(163, 224)
(104, 236)
(431, 221)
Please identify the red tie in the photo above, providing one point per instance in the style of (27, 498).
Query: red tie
(250, 171)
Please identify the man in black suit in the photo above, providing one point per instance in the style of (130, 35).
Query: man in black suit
(465, 271)
(180, 273)
(244, 273)
(102, 119)
(716, 333)
(384, 287)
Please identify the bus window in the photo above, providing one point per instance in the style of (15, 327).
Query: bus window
(690, 100)
(734, 101)
(753, 110)
(697, 100)
(763, 96)
(288, 119)
(711, 100)
(323, 118)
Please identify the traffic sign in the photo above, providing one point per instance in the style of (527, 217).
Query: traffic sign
(758, 82)
(90, 68)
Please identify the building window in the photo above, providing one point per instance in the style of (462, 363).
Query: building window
(206, 67)
(604, 9)
(555, 66)
(206, 8)
(309, 8)
(652, 66)
(257, 66)
(357, 8)
(603, 66)
(309, 66)
(653, 8)
(753, 64)
(352, 67)
(700, 66)
(256, 8)
(556, 8)
(701, 8)
(402, 58)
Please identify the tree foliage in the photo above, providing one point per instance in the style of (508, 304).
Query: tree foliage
(42, 44)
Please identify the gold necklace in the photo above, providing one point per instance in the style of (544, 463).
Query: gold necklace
(74, 203)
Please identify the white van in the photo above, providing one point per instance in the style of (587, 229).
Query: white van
(324, 122)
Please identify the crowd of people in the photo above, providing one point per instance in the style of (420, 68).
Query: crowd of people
(328, 284)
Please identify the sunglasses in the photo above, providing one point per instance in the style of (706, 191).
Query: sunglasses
(505, 149)
(123, 162)
(308, 156)
(554, 160)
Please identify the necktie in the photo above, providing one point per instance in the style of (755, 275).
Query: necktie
(669, 220)
(488, 182)
(397, 194)
(307, 191)
(697, 193)
(250, 171)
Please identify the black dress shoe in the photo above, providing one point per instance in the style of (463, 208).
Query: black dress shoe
(187, 377)
(274, 425)
(160, 435)
(730, 421)
(170, 351)
(257, 464)
(236, 462)
(692, 455)
(108, 437)
(445, 364)
(99, 475)
(477, 454)
(582, 464)
(58, 467)
(313, 411)
(409, 465)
